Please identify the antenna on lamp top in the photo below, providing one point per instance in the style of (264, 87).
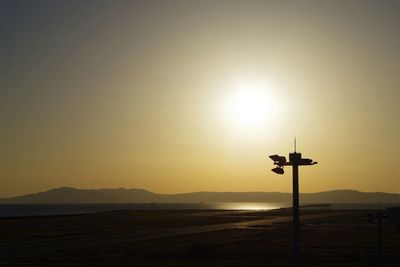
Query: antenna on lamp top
(295, 143)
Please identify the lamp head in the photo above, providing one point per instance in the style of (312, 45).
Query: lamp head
(278, 170)
(278, 160)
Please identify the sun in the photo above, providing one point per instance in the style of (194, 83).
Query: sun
(251, 105)
(248, 107)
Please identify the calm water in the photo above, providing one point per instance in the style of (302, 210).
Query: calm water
(18, 210)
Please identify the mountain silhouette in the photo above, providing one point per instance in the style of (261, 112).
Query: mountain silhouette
(121, 195)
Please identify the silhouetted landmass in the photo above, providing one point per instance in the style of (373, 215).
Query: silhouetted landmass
(73, 195)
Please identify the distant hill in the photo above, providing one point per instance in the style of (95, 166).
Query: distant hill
(73, 195)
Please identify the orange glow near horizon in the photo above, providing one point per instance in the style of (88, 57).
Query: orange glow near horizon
(183, 96)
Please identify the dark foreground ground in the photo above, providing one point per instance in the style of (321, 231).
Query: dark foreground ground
(194, 238)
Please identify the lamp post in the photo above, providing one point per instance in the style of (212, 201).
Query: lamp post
(295, 160)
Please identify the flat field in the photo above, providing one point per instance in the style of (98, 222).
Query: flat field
(195, 238)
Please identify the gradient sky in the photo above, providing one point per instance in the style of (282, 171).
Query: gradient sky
(109, 94)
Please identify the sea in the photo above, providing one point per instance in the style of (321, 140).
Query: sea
(24, 210)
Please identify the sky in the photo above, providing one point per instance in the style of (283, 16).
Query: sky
(181, 96)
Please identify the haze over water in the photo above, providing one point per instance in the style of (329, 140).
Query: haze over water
(23, 210)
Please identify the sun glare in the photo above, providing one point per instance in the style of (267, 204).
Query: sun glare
(248, 107)
(251, 106)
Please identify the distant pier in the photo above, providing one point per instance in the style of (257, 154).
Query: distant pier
(320, 206)
(316, 206)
